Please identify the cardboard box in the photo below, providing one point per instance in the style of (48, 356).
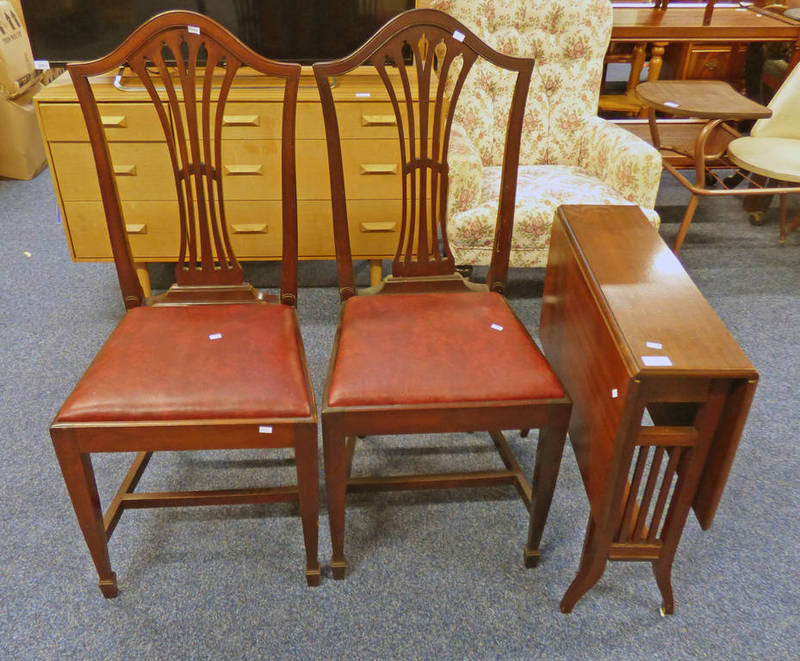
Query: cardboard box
(17, 72)
(22, 153)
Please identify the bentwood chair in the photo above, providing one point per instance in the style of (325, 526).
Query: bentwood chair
(211, 364)
(772, 150)
(426, 351)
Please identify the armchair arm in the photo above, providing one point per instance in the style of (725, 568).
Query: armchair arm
(625, 162)
(466, 172)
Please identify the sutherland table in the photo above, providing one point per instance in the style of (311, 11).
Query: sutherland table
(251, 157)
(629, 335)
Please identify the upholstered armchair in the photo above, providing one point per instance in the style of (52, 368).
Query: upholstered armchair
(568, 154)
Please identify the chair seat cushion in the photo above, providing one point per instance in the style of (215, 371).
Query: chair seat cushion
(436, 348)
(778, 158)
(541, 189)
(168, 363)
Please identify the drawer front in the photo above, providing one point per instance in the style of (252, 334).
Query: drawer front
(150, 233)
(254, 228)
(374, 228)
(709, 62)
(251, 169)
(143, 171)
(262, 121)
(125, 122)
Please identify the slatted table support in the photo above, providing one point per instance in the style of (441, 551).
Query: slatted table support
(660, 388)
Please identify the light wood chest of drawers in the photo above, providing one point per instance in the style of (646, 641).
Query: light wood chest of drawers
(251, 181)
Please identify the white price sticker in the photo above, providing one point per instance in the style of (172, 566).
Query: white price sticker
(656, 361)
(264, 429)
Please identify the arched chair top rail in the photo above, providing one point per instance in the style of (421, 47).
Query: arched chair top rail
(417, 18)
(180, 19)
(205, 255)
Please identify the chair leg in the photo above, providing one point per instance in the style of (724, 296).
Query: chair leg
(336, 488)
(783, 210)
(662, 569)
(593, 563)
(687, 220)
(549, 450)
(82, 488)
(308, 496)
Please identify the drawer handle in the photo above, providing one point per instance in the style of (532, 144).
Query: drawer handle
(241, 120)
(244, 169)
(114, 121)
(125, 170)
(136, 228)
(379, 168)
(249, 229)
(378, 120)
(379, 226)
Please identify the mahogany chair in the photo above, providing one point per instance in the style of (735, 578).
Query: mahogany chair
(211, 364)
(426, 351)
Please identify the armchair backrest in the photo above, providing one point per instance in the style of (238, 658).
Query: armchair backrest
(784, 105)
(568, 39)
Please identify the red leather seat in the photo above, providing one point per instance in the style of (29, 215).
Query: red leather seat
(478, 351)
(160, 364)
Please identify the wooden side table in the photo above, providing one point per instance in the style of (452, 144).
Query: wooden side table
(717, 103)
(630, 335)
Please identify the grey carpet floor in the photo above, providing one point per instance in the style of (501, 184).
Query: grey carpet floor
(433, 574)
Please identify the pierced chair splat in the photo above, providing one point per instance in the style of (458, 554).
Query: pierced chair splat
(211, 364)
(426, 351)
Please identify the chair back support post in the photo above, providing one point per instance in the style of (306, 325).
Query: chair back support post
(440, 47)
(179, 57)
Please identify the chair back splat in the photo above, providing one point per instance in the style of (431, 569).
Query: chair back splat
(187, 71)
(423, 58)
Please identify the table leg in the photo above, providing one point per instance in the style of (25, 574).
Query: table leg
(687, 220)
(375, 272)
(656, 60)
(144, 276)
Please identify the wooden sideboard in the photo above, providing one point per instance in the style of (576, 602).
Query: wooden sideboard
(251, 155)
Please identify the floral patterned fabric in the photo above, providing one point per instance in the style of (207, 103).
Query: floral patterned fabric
(568, 40)
(541, 189)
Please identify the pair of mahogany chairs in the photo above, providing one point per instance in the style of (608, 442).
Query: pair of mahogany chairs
(213, 364)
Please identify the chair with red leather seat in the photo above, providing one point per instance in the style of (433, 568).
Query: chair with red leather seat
(211, 364)
(426, 351)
